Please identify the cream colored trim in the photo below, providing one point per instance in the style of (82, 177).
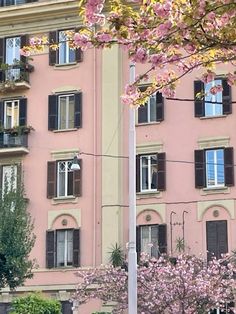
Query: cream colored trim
(64, 200)
(147, 148)
(42, 288)
(63, 295)
(54, 214)
(13, 151)
(215, 190)
(9, 160)
(160, 209)
(5, 297)
(65, 130)
(66, 66)
(210, 142)
(66, 88)
(202, 207)
(44, 16)
(142, 195)
(64, 154)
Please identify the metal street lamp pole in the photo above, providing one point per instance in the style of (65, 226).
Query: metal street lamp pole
(132, 254)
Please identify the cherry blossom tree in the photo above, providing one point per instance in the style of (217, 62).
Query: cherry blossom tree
(172, 37)
(188, 286)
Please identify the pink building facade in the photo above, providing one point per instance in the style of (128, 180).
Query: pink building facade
(184, 165)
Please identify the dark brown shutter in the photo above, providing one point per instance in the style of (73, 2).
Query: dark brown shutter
(199, 104)
(200, 169)
(23, 112)
(142, 114)
(76, 247)
(161, 171)
(66, 307)
(50, 248)
(77, 180)
(159, 107)
(0, 177)
(78, 55)
(162, 238)
(1, 113)
(138, 188)
(229, 166)
(138, 242)
(52, 112)
(78, 110)
(51, 179)
(217, 239)
(24, 41)
(226, 97)
(222, 237)
(2, 58)
(53, 39)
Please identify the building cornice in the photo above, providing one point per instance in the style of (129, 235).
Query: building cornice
(38, 17)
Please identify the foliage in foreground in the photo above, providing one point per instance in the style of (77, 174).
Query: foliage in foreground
(188, 286)
(35, 304)
(16, 237)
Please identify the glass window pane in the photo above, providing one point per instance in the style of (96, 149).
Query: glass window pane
(71, 55)
(145, 240)
(220, 166)
(144, 174)
(69, 247)
(212, 109)
(154, 240)
(143, 114)
(60, 248)
(70, 183)
(154, 172)
(210, 165)
(153, 108)
(71, 110)
(62, 113)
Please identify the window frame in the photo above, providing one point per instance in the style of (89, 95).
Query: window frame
(150, 253)
(12, 102)
(213, 102)
(67, 96)
(216, 175)
(67, 49)
(148, 108)
(66, 180)
(149, 166)
(65, 257)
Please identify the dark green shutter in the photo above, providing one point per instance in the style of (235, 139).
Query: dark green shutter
(52, 112)
(53, 54)
(161, 171)
(76, 247)
(77, 180)
(51, 179)
(226, 97)
(23, 112)
(138, 183)
(200, 168)
(199, 104)
(229, 166)
(162, 238)
(159, 107)
(50, 248)
(78, 110)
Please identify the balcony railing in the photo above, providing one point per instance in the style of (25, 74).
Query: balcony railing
(15, 75)
(4, 3)
(8, 140)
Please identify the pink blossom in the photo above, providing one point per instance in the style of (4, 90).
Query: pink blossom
(140, 55)
(231, 79)
(25, 52)
(208, 77)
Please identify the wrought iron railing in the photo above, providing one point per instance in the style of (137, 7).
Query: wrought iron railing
(15, 73)
(4, 3)
(8, 140)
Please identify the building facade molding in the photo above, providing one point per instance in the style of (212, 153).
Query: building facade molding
(160, 209)
(53, 215)
(211, 142)
(202, 207)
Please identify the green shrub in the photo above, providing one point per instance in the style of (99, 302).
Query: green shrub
(35, 303)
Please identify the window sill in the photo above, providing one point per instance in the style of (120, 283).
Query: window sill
(147, 123)
(65, 130)
(213, 117)
(63, 200)
(215, 190)
(148, 194)
(66, 66)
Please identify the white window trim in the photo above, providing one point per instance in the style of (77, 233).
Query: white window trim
(214, 114)
(12, 102)
(149, 174)
(67, 109)
(216, 185)
(66, 179)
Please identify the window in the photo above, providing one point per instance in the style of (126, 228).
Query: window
(63, 55)
(150, 172)
(63, 248)
(152, 110)
(8, 178)
(10, 54)
(62, 181)
(4, 3)
(11, 118)
(66, 307)
(151, 239)
(64, 178)
(64, 111)
(212, 105)
(214, 168)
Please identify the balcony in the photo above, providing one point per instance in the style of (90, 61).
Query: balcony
(16, 144)
(15, 77)
(5, 3)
